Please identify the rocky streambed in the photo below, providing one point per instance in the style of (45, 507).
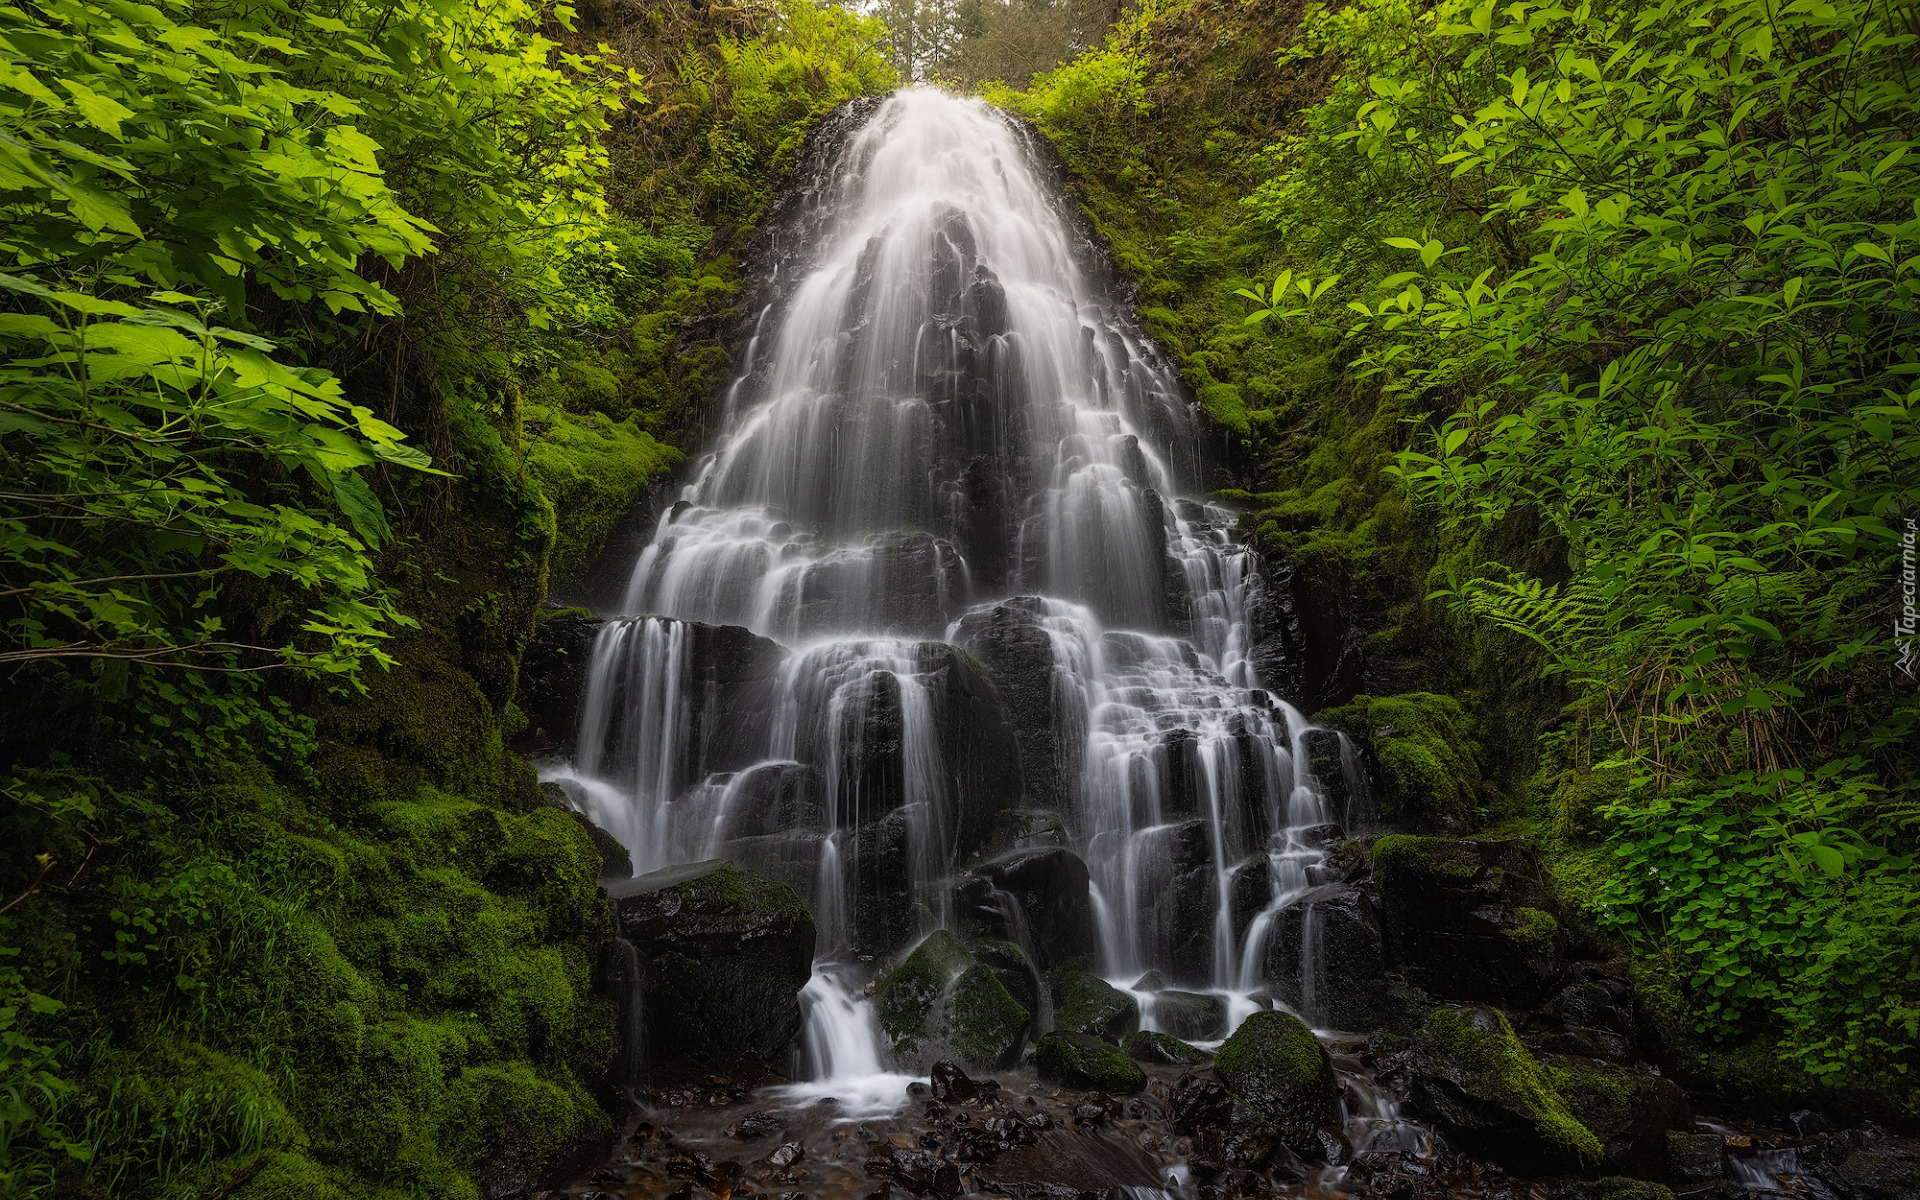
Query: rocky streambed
(1540, 1087)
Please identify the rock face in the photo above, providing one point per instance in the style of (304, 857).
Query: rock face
(1469, 920)
(944, 1003)
(1473, 1079)
(552, 677)
(1327, 959)
(1008, 639)
(1276, 1067)
(1086, 1064)
(1087, 1004)
(1033, 898)
(723, 953)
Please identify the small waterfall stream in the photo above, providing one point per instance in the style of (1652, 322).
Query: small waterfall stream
(944, 564)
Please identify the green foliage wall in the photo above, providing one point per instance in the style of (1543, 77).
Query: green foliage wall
(348, 330)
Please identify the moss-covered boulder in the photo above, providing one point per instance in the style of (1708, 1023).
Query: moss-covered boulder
(1276, 1067)
(1629, 1109)
(1426, 757)
(1086, 1064)
(723, 953)
(1086, 1003)
(1469, 920)
(944, 1003)
(1162, 1049)
(1473, 1079)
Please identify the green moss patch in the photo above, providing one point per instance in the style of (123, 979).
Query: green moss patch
(1086, 1064)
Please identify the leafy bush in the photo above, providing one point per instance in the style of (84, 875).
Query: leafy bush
(1659, 288)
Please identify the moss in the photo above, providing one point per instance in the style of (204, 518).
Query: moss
(592, 469)
(1086, 1003)
(1481, 1049)
(1086, 1064)
(1276, 1067)
(1413, 854)
(1429, 768)
(1537, 930)
(940, 1000)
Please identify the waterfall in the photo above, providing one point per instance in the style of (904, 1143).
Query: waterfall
(949, 522)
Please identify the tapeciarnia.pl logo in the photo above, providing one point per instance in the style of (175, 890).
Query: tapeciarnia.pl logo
(1909, 615)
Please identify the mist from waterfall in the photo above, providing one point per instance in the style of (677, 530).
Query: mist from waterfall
(946, 417)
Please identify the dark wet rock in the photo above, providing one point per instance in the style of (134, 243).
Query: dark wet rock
(1017, 652)
(724, 954)
(1085, 1003)
(1324, 762)
(1162, 1049)
(1180, 878)
(1037, 898)
(1086, 1064)
(1276, 1067)
(984, 765)
(942, 1003)
(1694, 1157)
(1883, 1168)
(918, 1171)
(1591, 1015)
(1197, 1102)
(785, 1155)
(1070, 1164)
(950, 1084)
(1346, 975)
(886, 916)
(1470, 1075)
(1195, 1016)
(1469, 920)
(775, 798)
(553, 674)
(757, 1125)
(1630, 1109)
(1029, 829)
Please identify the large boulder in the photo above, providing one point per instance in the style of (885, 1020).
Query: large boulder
(1086, 1064)
(1276, 1068)
(943, 1003)
(1469, 1074)
(1326, 958)
(1085, 1003)
(1882, 1168)
(552, 678)
(723, 955)
(1036, 898)
(1469, 920)
(1177, 861)
(1196, 1016)
(1630, 1109)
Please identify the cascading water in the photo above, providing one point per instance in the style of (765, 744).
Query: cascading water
(948, 436)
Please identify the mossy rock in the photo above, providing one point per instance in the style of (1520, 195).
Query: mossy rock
(1086, 1064)
(1086, 1003)
(1473, 1078)
(1470, 920)
(1162, 1049)
(1611, 1187)
(1629, 1109)
(942, 1002)
(1276, 1067)
(1427, 753)
(1196, 1015)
